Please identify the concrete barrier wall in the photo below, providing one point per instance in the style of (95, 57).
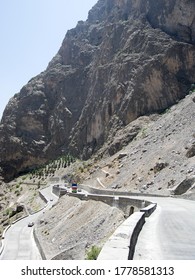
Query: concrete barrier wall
(3, 237)
(136, 228)
(57, 191)
(121, 245)
(114, 192)
(149, 209)
(106, 192)
(113, 198)
(123, 203)
(42, 197)
(39, 245)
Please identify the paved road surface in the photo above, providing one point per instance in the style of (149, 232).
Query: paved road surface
(19, 242)
(169, 233)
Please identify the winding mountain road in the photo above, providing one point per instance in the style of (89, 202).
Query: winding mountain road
(19, 242)
(169, 233)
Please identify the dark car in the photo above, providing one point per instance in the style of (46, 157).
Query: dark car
(31, 224)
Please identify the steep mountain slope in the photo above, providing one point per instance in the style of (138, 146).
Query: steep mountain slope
(130, 58)
(160, 159)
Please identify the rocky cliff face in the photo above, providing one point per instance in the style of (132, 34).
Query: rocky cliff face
(130, 58)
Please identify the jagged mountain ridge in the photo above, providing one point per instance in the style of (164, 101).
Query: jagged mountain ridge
(130, 58)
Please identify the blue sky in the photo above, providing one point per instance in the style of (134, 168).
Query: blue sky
(31, 33)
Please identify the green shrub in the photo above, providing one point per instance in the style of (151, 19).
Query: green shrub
(17, 192)
(7, 211)
(93, 253)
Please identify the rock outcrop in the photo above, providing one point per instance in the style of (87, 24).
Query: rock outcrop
(130, 58)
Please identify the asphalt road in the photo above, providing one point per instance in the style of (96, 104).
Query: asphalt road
(169, 233)
(19, 243)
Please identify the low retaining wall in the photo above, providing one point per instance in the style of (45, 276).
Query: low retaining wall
(116, 193)
(42, 197)
(135, 230)
(57, 191)
(149, 209)
(121, 245)
(3, 237)
(39, 245)
(127, 205)
(112, 198)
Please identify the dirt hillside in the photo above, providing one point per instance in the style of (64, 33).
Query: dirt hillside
(72, 227)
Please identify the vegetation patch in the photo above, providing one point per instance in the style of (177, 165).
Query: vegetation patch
(93, 253)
